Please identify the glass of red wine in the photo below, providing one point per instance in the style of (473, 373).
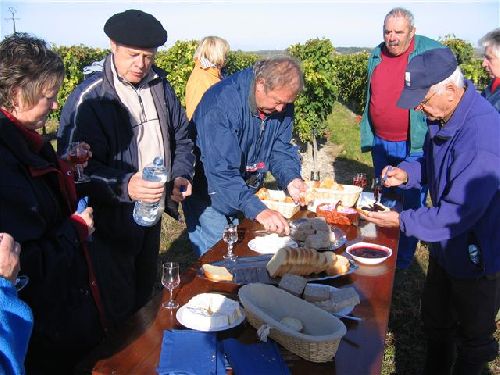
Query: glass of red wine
(360, 180)
(78, 155)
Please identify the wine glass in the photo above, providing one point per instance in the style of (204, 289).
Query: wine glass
(230, 236)
(377, 189)
(21, 282)
(170, 279)
(78, 156)
(360, 180)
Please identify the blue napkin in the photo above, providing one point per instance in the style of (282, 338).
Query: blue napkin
(263, 358)
(189, 352)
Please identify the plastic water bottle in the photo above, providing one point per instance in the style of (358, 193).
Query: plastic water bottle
(148, 214)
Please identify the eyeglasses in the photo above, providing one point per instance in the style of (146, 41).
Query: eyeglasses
(425, 101)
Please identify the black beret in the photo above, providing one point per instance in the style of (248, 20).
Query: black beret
(136, 28)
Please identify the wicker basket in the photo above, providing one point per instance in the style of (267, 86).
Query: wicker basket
(349, 196)
(267, 305)
(284, 208)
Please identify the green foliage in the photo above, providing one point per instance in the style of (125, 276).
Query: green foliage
(239, 60)
(471, 67)
(351, 72)
(75, 58)
(315, 102)
(476, 73)
(463, 50)
(178, 62)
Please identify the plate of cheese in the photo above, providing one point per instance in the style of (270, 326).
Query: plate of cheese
(210, 312)
(271, 243)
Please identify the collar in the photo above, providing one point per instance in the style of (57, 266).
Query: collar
(151, 76)
(495, 84)
(456, 121)
(34, 140)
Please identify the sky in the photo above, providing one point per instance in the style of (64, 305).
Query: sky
(251, 25)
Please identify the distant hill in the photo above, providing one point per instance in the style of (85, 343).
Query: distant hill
(348, 50)
(341, 50)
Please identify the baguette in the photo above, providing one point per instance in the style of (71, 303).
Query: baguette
(297, 261)
(339, 266)
(216, 273)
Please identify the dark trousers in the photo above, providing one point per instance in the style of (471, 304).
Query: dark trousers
(459, 321)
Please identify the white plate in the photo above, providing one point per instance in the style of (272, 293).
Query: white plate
(270, 243)
(370, 245)
(186, 324)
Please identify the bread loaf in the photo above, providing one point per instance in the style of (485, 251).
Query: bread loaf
(296, 261)
(216, 273)
(339, 266)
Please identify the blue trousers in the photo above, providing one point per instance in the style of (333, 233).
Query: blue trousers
(205, 224)
(392, 153)
(459, 320)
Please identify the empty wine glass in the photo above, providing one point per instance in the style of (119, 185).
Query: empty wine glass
(21, 282)
(78, 155)
(230, 236)
(377, 189)
(170, 279)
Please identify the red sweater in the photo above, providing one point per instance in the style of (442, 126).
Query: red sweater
(390, 122)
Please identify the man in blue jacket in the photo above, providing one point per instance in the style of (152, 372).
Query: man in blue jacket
(128, 114)
(394, 134)
(16, 319)
(461, 161)
(244, 128)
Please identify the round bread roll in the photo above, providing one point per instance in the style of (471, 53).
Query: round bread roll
(292, 323)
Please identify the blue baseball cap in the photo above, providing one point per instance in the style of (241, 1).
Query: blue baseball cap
(424, 71)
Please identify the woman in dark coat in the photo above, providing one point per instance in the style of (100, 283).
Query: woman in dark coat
(37, 207)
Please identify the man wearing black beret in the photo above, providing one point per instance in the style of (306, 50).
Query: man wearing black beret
(129, 114)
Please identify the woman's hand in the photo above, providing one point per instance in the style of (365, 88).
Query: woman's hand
(9, 257)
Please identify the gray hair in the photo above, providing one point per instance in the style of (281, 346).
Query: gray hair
(456, 78)
(492, 39)
(401, 12)
(279, 72)
(214, 49)
(27, 64)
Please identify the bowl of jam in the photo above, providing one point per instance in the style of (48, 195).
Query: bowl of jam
(368, 253)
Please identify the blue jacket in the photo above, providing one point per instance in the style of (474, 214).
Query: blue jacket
(237, 146)
(418, 127)
(16, 322)
(492, 97)
(461, 165)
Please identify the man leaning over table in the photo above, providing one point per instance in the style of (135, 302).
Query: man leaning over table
(244, 129)
(394, 134)
(128, 114)
(491, 63)
(461, 160)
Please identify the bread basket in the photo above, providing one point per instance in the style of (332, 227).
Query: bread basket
(287, 209)
(265, 305)
(349, 195)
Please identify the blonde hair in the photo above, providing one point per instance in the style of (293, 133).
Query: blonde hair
(214, 49)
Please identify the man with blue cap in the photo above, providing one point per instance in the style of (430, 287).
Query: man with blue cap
(129, 114)
(461, 161)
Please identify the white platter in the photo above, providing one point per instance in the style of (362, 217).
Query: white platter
(180, 317)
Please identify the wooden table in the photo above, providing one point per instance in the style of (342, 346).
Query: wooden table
(135, 349)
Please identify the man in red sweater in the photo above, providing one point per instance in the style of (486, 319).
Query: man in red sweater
(393, 134)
